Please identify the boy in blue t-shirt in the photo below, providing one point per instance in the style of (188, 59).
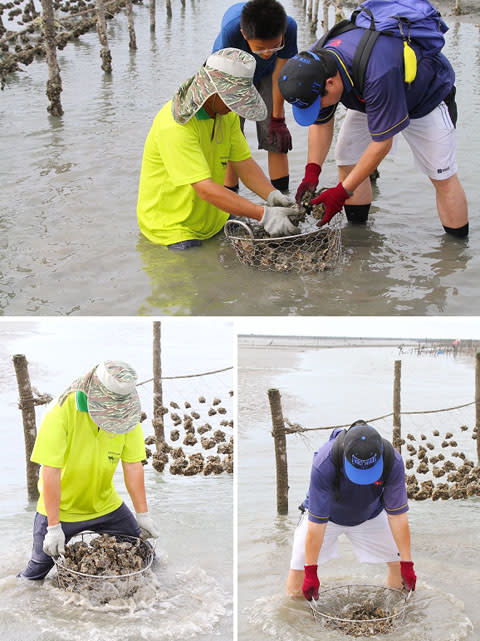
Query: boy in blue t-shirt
(263, 29)
(354, 492)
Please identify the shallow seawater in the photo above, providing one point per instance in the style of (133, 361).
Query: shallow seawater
(335, 386)
(70, 241)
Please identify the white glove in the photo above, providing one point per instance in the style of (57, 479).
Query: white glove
(148, 527)
(54, 541)
(277, 199)
(276, 221)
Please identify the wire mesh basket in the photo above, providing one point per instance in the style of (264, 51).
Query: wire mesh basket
(361, 610)
(101, 577)
(312, 250)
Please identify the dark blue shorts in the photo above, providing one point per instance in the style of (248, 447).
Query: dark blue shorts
(120, 521)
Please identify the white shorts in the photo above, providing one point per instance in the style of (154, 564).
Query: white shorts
(372, 542)
(431, 138)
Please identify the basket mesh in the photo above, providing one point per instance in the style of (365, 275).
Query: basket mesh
(313, 250)
(360, 610)
(110, 583)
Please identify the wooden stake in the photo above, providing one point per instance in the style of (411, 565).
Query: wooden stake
(152, 15)
(157, 421)
(132, 44)
(326, 4)
(314, 24)
(54, 82)
(105, 54)
(169, 9)
(278, 433)
(397, 425)
(27, 406)
(477, 403)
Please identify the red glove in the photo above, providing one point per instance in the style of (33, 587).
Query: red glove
(334, 199)
(279, 135)
(310, 182)
(310, 582)
(409, 578)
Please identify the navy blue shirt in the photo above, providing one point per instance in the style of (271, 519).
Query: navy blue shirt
(387, 100)
(356, 503)
(231, 36)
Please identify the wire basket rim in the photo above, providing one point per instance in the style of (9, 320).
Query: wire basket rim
(362, 621)
(63, 568)
(271, 239)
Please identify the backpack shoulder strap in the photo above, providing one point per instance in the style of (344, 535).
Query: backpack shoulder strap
(362, 52)
(361, 58)
(336, 30)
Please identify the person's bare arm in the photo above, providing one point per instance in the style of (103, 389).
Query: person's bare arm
(314, 542)
(278, 101)
(135, 484)
(369, 161)
(51, 477)
(319, 142)
(401, 534)
(252, 177)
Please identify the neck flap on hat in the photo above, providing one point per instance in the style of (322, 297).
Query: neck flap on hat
(81, 384)
(191, 96)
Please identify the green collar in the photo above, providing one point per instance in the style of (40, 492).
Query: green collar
(81, 401)
(202, 114)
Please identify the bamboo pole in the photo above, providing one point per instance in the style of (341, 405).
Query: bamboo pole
(278, 433)
(157, 420)
(477, 403)
(27, 406)
(105, 54)
(397, 425)
(54, 82)
(132, 43)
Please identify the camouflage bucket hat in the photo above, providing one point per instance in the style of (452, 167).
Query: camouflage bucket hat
(112, 398)
(228, 72)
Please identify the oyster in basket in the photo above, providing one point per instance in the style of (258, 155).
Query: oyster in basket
(104, 555)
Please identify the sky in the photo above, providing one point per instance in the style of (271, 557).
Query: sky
(364, 326)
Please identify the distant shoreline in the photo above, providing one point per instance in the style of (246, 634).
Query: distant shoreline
(335, 342)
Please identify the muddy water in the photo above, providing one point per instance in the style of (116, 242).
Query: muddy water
(336, 386)
(70, 242)
(189, 594)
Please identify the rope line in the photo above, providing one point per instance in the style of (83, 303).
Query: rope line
(169, 378)
(294, 428)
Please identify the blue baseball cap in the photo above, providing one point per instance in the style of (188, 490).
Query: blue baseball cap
(363, 454)
(301, 83)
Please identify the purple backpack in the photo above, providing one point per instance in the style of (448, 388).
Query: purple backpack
(414, 21)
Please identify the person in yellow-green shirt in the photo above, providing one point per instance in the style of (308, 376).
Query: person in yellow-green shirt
(181, 197)
(92, 426)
